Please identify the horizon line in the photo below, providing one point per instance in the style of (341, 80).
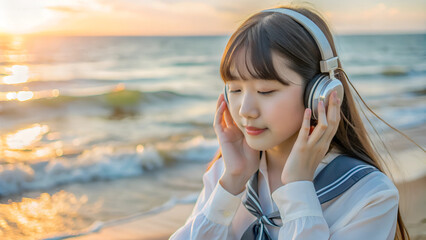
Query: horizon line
(197, 35)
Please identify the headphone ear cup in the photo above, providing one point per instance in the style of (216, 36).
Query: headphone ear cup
(320, 88)
(309, 91)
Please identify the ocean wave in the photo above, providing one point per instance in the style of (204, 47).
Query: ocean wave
(101, 163)
(123, 98)
(386, 71)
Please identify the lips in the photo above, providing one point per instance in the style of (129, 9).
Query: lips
(254, 130)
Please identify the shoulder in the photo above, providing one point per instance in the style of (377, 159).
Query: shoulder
(376, 181)
(374, 198)
(366, 188)
(372, 182)
(374, 187)
(380, 181)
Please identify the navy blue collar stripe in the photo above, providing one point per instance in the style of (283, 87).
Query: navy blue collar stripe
(341, 181)
(254, 202)
(268, 221)
(251, 209)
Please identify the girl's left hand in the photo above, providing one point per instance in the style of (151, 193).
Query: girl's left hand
(309, 150)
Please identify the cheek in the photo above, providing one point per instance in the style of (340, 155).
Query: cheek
(286, 116)
(235, 115)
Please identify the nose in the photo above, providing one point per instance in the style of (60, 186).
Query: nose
(248, 108)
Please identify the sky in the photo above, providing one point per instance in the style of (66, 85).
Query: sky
(196, 17)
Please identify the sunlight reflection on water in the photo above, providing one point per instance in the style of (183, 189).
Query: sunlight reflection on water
(34, 218)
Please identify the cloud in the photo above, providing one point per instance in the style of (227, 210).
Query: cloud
(63, 9)
(79, 6)
(378, 18)
(180, 17)
(379, 9)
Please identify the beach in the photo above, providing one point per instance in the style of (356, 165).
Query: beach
(113, 134)
(156, 227)
(162, 225)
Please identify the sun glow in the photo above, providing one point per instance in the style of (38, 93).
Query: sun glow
(19, 75)
(36, 218)
(20, 96)
(26, 145)
(20, 16)
(26, 137)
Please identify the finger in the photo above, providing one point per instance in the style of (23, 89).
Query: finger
(218, 118)
(304, 130)
(321, 127)
(219, 100)
(333, 116)
(322, 114)
(223, 121)
(228, 118)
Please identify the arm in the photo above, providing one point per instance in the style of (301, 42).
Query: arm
(213, 212)
(374, 216)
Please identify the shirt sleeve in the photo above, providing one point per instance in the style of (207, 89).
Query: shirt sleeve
(302, 216)
(214, 210)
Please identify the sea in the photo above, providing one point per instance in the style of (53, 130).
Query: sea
(95, 129)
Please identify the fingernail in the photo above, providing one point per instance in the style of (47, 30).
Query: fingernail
(307, 112)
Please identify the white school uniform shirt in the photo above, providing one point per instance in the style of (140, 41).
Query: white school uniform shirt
(367, 210)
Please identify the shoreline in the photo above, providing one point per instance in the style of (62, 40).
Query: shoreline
(145, 228)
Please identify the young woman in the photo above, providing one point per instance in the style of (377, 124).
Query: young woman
(284, 147)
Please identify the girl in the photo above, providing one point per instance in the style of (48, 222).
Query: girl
(277, 146)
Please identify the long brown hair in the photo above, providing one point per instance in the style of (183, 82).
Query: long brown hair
(265, 32)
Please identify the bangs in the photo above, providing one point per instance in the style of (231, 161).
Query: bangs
(249, 55)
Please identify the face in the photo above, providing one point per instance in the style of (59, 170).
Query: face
(269, 105)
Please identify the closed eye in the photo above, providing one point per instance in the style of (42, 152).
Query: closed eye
(263, 93)
(266, 93)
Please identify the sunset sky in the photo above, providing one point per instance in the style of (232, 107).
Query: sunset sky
(195, 17)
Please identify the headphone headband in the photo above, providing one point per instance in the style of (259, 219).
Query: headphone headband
(329, 62)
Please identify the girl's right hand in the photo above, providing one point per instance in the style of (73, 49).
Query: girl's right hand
(241, 161)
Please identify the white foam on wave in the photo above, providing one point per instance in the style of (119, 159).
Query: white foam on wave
(196, 149)
(101, 163)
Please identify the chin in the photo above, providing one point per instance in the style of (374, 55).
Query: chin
(260, 144)
(266, 142)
